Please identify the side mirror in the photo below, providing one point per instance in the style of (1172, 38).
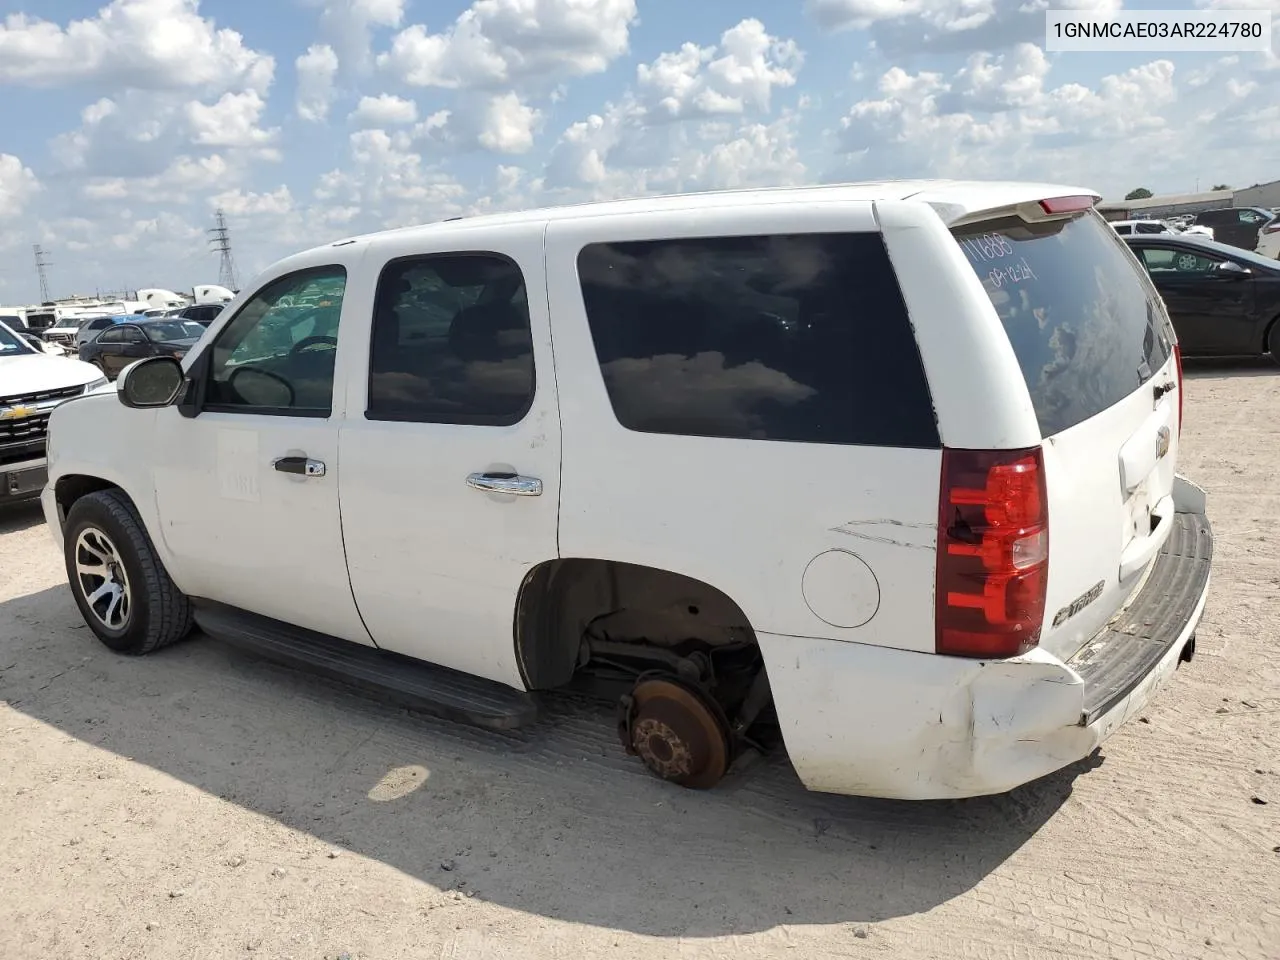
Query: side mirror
(153, 382)
(1232, 270)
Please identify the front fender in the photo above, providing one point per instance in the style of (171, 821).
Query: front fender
(98, 437)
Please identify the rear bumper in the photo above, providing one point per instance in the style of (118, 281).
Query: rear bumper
(1115, 663)
(871, 721)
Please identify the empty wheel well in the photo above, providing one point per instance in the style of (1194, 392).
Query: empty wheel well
(566, 604)
(72, 487)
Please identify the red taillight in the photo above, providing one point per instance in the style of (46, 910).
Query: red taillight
(1052, 205)
(993, 552)
(1273, 226)
(1177, 356)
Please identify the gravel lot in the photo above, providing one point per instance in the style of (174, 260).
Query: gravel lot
(199, 803)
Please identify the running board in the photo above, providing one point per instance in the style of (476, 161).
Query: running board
(410, 683)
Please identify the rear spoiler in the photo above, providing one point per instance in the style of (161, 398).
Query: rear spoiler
(1048, 208)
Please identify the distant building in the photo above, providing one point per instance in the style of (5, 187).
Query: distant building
(1265, 195)
(1169, 205)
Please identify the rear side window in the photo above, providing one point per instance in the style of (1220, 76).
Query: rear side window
(452, 342)
(1082, 318)
(799, 338)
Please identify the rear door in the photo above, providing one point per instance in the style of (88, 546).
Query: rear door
(107, 348)
(1097, 354)
(451, 447)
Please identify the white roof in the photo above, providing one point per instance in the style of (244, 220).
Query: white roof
(961, 197)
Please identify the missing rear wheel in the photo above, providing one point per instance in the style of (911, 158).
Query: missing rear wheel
(678, 734)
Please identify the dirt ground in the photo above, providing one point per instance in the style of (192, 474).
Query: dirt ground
(200, 803)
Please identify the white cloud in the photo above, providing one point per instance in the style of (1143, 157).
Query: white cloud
(738, 75)
(387, 183)
(238, 203)
(502, 123)
(386, 110)
(910, 27)
(495, 43)
(349, 24)
(18, 184)
(317, 69)
(146, 44)
(618, 153)
(997, 117)
(686, 126)
(231, 122)
(185, 177)
(509, 125)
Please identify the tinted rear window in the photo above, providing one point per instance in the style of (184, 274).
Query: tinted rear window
(1083, 320)
(799, 338)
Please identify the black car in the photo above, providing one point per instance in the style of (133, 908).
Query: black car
(202, 313)
(1223, 301)
(122, 344)
(1236, 226)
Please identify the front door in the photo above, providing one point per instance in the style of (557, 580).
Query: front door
(246, 468)
(1211, 311)
(451, 449)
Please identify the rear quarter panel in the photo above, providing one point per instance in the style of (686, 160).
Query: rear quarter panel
(979, 395)
(748, 517)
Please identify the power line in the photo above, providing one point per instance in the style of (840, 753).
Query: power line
(221, 242)
(42, 263)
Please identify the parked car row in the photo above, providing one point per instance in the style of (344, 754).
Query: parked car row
(1255, 229)
(114, 349)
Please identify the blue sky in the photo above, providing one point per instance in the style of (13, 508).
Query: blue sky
(124, 125)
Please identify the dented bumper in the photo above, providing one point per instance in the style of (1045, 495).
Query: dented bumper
(872, 721)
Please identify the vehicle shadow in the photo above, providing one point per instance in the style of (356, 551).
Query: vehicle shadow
(1196, 368)
(20, 516)
(514, 817)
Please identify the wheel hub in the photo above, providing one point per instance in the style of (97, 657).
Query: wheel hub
(678, 733)
(101, 579)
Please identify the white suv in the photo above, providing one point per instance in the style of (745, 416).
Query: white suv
(884, 472)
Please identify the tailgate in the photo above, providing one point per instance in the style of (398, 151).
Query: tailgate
(1097, 352)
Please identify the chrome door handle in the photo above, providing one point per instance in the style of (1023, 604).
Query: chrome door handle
(511, 483)
(299, 466)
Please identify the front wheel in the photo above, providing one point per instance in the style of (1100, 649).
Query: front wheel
(122, 589)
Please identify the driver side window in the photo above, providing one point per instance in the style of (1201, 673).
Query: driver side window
(277, 353)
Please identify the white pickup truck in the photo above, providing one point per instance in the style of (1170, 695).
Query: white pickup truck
(882, 474)
(31, 385)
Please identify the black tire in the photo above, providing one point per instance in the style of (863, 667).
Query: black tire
(153, 612)
(1273, 340)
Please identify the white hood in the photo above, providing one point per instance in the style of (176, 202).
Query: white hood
(33, 372)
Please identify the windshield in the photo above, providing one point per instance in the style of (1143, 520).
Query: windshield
(1083, 319)
(11, 343)
(159, 330)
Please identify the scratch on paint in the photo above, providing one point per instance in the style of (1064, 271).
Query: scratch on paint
(850, 529)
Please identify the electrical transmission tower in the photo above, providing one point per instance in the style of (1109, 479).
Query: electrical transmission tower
(221, 241)
(42, 263)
